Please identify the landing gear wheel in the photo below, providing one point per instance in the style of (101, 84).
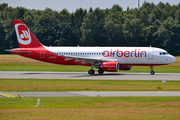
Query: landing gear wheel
(91, 72)
(152, 72)
(100, 71)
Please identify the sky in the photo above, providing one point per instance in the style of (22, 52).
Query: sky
(72, 5)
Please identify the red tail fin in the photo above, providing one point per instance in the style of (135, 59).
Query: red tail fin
(25, 37)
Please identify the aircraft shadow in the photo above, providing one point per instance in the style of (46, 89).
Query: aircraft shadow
(96, 74)
(83, 74)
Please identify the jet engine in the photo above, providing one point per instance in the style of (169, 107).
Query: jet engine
(110, 66)
(125, 67)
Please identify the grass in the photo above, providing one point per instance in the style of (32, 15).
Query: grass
(25, 85)
(18, 63)
(88, 108)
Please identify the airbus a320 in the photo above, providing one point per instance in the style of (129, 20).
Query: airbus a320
(109, 59)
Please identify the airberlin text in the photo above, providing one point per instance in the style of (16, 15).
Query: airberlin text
(120, 53)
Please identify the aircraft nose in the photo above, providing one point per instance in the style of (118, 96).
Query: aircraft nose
(172, 59)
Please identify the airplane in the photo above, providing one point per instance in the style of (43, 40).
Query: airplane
(109, 59)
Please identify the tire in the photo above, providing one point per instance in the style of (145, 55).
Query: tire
(152, 72)
(91, 72)
(100, 71)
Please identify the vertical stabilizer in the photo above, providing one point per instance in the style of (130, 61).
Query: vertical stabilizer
(25, 37)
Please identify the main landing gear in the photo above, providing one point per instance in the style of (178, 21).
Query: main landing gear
(91, 71)
(152, 72)
(100, 71)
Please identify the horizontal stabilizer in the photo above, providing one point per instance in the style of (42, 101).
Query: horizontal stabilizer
(18, 51)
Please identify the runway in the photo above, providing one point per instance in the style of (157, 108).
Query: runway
(91, 94)
(84, 75)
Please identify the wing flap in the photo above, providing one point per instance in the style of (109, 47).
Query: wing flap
(86, 59)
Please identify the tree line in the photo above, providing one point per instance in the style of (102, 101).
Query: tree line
(155, 25)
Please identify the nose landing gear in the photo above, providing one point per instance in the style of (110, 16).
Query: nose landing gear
(152, 72)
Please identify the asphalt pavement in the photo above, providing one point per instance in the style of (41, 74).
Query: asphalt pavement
(84, 75)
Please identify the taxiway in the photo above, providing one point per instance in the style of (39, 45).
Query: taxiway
(84, 75)
(90, 94)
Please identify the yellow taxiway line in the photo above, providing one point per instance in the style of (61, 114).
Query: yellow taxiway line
(10, 95)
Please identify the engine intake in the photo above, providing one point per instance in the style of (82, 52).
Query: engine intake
(110, 66)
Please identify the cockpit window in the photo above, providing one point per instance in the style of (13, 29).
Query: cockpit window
(163, 53)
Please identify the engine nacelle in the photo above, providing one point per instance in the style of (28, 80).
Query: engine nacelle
(125, 67)
(110, 66)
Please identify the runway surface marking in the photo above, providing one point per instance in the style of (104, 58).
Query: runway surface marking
(10, 95)
(84, 75)
(97, 93)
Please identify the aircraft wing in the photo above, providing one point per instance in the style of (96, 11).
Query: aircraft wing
(86, 59)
